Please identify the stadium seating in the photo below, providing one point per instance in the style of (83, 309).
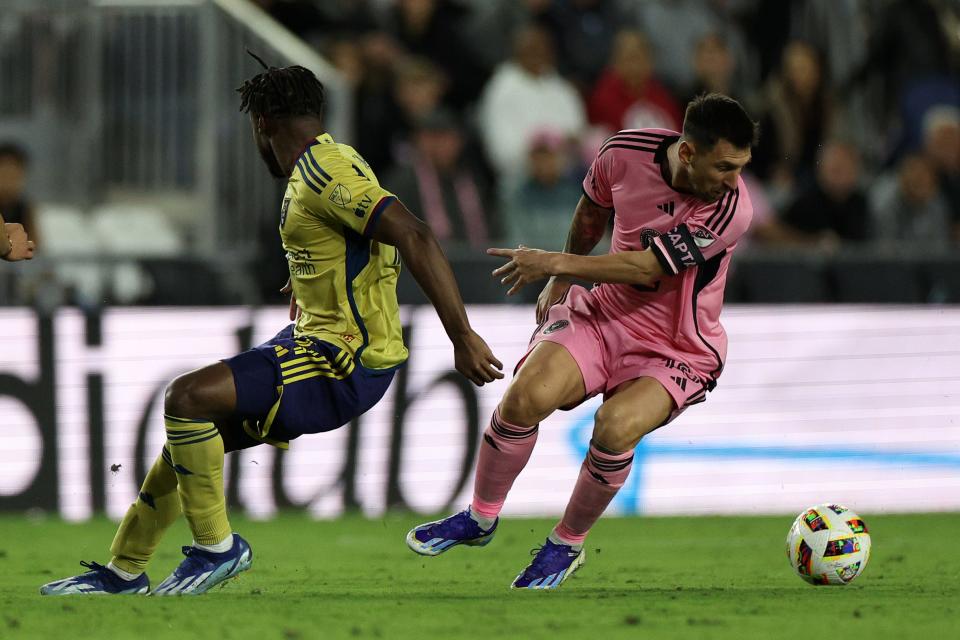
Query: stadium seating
(782, 281)
(74, 249)
(876, 280)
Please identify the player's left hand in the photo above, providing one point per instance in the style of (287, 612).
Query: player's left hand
(474, 359)
(294, 309)
(526, 265)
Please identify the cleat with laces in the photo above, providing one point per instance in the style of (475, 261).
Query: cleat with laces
(98, 581)
(433, 538)
(202, 570)
(553, 563)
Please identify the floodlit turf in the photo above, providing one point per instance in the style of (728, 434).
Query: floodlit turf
(354, 578)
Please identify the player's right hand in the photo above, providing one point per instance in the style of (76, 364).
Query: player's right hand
(552, 294)
(21, 247)
(294, 309)
(474, 359)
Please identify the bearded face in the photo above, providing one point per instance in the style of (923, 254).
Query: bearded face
(262, 141)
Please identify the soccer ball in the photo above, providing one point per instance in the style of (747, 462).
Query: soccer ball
(828, 544)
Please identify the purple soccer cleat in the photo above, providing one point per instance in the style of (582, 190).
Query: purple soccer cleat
(433, 538)
(552, 564)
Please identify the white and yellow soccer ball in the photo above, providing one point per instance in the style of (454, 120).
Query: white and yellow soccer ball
(828, 544)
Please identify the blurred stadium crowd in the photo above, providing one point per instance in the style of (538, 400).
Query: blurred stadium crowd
(483, 115)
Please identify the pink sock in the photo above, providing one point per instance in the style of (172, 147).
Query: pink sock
(503, 455)
(601, 476)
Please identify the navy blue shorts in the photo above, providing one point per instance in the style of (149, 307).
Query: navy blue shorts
(289, 386)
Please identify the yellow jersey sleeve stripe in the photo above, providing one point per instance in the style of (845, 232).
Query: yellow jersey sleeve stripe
(374, 218)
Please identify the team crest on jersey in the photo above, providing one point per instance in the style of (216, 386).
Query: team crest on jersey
(647, 236)
(341, 195)
(703, 238)
(556, 326)
(283, 211)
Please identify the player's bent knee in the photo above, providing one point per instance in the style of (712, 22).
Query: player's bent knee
(181, 397)
(617, 430)
(205, 394)
(524, 406)
(188, 397)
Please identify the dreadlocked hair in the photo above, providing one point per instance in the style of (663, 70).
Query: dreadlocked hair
(282, 92)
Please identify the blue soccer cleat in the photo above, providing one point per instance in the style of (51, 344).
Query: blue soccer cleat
(98, 581)
(553, 564)
(433, 538)
(202, 570)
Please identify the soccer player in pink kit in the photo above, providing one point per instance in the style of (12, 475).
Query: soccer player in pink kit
(647, 336)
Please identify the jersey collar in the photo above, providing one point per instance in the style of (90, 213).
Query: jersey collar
(323, 138)
(660, 157)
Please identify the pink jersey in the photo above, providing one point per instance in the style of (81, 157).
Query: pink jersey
(692, 239)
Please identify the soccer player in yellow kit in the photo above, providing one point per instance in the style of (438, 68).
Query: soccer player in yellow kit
(345, 237)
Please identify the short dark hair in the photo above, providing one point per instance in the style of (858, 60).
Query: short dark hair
(283, 92)
(713, 117)
(15, 152)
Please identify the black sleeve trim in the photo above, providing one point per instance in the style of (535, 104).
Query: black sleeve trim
(592, 201)
(374, 218)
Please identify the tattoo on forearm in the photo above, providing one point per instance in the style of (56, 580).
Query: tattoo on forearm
(589, 224)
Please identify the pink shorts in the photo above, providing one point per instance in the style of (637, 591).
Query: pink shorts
(608, 356)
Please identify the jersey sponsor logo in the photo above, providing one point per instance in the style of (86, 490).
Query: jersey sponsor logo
(556, 326)
(300, 263)
(302, 269)
(361, 209)
(283, 211)
(341, 195)
(703, 238)
(299, 254)
(666, 207)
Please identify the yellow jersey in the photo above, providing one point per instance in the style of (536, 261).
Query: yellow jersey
(344, 281)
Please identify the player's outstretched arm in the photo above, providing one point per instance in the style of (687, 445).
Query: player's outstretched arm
(587, 228)
(422, 254)
(14, 243)
(527, 265)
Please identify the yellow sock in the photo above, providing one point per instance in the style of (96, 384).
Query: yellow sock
(197, 452)
(156, 508)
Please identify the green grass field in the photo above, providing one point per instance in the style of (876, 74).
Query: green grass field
(355, 578)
